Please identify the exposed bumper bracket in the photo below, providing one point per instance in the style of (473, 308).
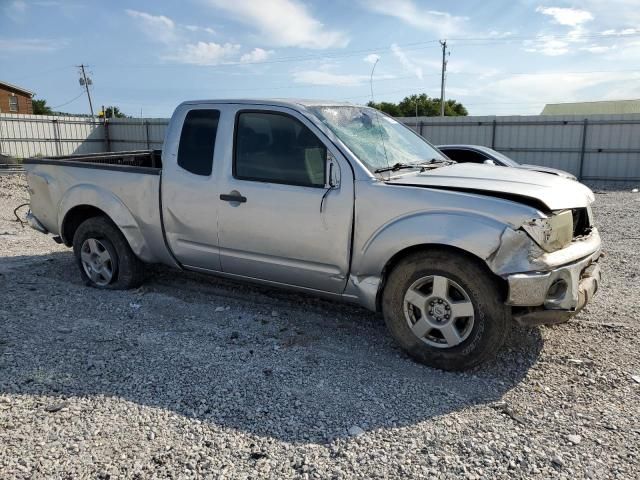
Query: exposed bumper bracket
(587, 287)
(35, 223)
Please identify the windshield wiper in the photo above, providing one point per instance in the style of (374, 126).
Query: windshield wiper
(396, 167)
(440, 160)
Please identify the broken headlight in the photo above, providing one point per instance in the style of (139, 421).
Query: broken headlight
(553, 232)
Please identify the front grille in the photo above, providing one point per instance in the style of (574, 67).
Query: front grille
(581, 225)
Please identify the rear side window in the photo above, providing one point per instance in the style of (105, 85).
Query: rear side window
(197, 141)
(277, 148)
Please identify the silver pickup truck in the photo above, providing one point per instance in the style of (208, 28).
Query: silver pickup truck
(337, 200)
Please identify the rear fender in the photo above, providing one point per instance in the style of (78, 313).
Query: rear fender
(113, 207)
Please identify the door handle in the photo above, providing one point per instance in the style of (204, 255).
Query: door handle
(233, 197)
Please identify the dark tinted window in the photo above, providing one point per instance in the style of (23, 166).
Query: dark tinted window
(464, 156)
(197, 140)
(276, 148)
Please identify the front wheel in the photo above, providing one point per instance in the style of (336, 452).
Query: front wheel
(104, 256)
(445, 310)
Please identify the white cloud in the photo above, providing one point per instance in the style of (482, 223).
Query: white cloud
(553, 45)
(571, 17)
(320, 77)
(174, 36)
(598, 48)
(16, 10)
(32, 45)
(554, 87)
(284, 23)
(157, 27)
(205, 53)
(440, 23)
(195, 28)
(620, 33)
(372, 58)
(547, 45)
(406, 63)
(324, 76)
(256, 55)
(498, 34)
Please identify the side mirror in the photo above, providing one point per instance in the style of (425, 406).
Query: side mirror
(488, 161)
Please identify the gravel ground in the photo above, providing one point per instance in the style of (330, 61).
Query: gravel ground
(192, 376)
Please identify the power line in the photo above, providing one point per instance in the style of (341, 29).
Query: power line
(460, 41)
(70, 101)
(337, 54)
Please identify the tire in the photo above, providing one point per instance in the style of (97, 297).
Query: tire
(467, 328)
(103, 253)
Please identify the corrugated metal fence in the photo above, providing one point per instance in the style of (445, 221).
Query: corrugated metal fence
(24, 136)
(597, 147)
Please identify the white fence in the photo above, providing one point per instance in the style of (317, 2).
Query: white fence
(597, 147)
(24, 136)
(594, 147)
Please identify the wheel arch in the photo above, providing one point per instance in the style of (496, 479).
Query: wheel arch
(424, 247)
(74, 217)
(81, 203)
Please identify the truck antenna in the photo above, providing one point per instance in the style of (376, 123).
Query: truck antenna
(377, 114)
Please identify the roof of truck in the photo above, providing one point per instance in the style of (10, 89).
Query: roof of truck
(281, 102)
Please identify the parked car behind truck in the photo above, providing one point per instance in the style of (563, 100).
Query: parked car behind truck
(486, 155)
(337, 200)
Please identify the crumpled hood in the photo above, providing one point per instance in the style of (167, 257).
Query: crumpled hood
(555, 192)
(553, 171)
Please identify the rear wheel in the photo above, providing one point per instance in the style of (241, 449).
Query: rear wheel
(104, 256)
(445, 310)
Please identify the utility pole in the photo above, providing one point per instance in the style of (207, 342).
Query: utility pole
(85, 82)
(443, 43)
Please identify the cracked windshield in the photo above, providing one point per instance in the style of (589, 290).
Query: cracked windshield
(377, 140)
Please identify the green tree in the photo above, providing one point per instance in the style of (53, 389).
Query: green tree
(40, 107)
(386, 107)
(425, 106)
(114, 112)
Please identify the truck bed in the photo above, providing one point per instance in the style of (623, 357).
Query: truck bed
(125, 186)
(139, 161)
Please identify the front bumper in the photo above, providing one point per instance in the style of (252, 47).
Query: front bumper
(554, 296)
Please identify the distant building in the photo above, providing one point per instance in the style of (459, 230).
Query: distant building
(15, 99)
(610, 107)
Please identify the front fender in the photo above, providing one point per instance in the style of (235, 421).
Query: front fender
(116, 210)
(473, 233)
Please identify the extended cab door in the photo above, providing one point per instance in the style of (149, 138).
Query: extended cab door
(189, 192)
(279, 220)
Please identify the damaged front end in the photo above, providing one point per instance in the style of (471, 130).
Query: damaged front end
(550, 266)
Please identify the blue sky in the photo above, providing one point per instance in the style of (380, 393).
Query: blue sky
(506, 57)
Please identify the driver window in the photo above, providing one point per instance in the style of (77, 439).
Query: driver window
(277, 148)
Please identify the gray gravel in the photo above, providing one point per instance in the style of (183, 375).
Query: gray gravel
(192, 376)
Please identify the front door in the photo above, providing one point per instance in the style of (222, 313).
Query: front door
(278, 218)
